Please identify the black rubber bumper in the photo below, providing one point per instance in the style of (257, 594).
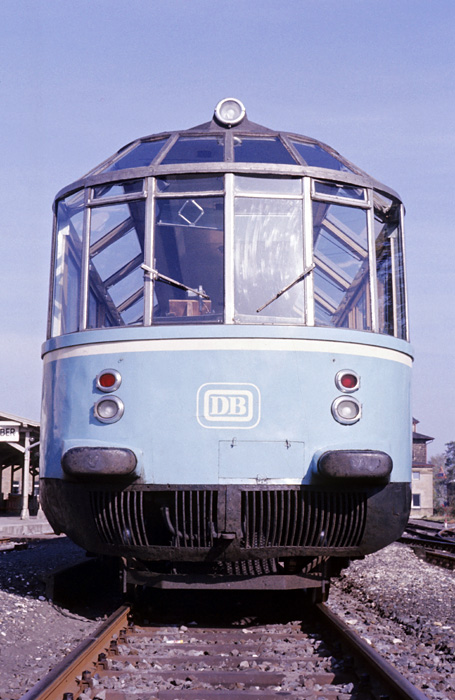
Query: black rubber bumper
(98, 461)
(356, 464)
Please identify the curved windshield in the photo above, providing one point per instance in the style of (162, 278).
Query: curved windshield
(252, 249)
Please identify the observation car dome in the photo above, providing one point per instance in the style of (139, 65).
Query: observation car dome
(223, 223)
(230, 138)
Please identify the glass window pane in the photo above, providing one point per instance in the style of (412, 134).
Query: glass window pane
(112, 257)
(390, 269)
(196, 150)
(189, 252)
(115, 274)
(268, 257)
(106, 219)
(118, 189)
(139, 157)
(270, 185)
(400, 298)
(340, 190)
(67, 269)
(316, 156)
(191, 183)
(261, 150)
(341, 279)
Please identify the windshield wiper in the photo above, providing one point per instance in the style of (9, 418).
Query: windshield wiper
(285, 289)
(155, 275)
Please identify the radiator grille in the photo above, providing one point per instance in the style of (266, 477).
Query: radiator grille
(192, 520)
(295, 518)
(162, 518)
(189, 518)
(119, 517)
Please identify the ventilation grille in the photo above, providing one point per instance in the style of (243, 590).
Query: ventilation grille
(186, 519)
(119, 517)
(192, 519)
(162, 518)
(295, 518)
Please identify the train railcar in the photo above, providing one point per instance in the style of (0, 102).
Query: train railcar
(227, 369)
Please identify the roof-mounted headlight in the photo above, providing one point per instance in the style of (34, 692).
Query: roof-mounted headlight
(229, 111)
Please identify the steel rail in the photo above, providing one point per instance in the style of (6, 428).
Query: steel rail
(436, 556)
(429, 542)
(392, 679)
(62, 678)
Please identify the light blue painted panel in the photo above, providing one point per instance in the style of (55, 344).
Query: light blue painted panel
(179, 435)
(250, 459)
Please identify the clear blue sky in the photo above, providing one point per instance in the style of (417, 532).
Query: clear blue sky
(375, 79)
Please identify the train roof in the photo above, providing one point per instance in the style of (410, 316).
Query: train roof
(230, 142)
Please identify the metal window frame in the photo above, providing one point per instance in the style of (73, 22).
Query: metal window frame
(338, 199)
(83, 311)
(374, 299)
(368, 206)
(120, 199)
(393, 270)
(90, 203)
(154, 195)
(51, 297)
(307, 196)
(101, 169)
(395, 242)
(405, 284)
(308, 252)
(149, 241)
(229, 253)
(54, 250)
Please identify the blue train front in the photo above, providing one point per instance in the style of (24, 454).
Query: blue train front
(227, 370)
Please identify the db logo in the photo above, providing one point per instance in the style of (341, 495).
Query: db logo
(228, 405)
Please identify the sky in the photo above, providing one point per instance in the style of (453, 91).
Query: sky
(374, 79)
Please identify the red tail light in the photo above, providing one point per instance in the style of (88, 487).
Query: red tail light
(108, 380)
(347, 381)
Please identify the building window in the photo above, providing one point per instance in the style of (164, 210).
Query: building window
(416, 476)
(416, 500)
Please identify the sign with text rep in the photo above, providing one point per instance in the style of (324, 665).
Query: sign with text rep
(9, 431)
(227, 405)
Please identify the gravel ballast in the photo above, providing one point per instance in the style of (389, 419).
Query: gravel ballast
(404, 608)
(35, 634)
(401, 605)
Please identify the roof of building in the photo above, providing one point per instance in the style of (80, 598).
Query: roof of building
(422, 465)
(25, 422)
(419, 437)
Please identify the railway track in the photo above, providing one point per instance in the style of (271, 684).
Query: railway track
(431, 544)
(321, 658)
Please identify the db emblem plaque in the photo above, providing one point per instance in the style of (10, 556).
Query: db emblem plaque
(228, 405)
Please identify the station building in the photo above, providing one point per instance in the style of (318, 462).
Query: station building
(422, 475)
(19, 465)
